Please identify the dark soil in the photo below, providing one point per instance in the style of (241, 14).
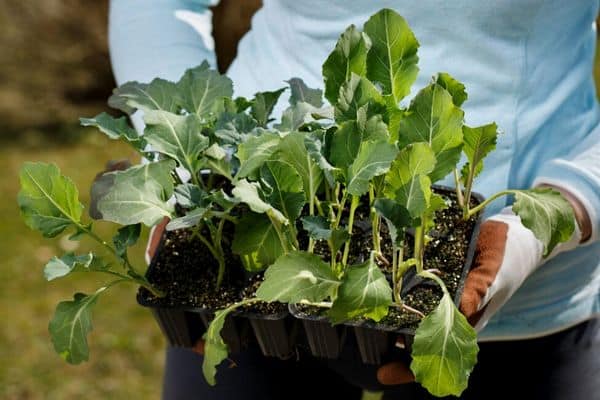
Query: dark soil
(186, 272)
(446, 252)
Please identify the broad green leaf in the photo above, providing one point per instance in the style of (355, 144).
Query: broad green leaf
(201, 90)
(434, 119)
(222, 199)
(292, 150)
(364, 292)
(176, 136)
(355, 94)
(188, 195)
(255, 151)
(126, 236)
(339, 236)
(49, 201)
(371, 127)
(263, 104)
(71, 324)
(249, 193)
(215, 348)
(444, 350)
(407, 181)
(317, 227)
(115, 128)
(349, 56)
(295, 116)
(285, 191)
(392, 59)
(373, 159)
(547, 214)
(452, 86)
(345, 143)
(396, 216)
(139, 194)
(304, 94)
(216, 152)
(256, 242)
(59, 267)
(231, 128)
(298, 276)
(314, 146)
(192, 218)
(478, 142)
(159, 94)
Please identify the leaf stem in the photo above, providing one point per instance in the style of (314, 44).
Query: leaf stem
(459, 195)
(353, 207)
(282, 238)
(487, 201)
(419, 248)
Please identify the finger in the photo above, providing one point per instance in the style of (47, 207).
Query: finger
(154, 240)
(489, 254)
(199, 347)
(394, 373)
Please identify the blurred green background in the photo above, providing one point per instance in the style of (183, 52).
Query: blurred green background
(54, 68)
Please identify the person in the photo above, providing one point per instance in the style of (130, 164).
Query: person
(526, 65)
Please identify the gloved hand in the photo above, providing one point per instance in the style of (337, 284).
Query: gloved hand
(506, 254)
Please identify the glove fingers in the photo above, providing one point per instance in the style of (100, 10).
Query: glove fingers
(489, 254)
(394, 373)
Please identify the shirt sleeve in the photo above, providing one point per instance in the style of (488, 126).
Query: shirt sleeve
(159, 38)
(579, 173)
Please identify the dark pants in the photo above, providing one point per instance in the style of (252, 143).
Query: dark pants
(562, 366)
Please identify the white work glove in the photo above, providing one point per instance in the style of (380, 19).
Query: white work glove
(506, 254)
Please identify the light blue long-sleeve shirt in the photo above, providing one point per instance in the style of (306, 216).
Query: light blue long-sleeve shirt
(526, 65)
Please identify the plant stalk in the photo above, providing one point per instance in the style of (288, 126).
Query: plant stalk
(479, 207)
(353, 207)
(459, 195)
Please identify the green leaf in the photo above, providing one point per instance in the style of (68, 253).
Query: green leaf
(392, 59)
(407, 181)
(176, 136)
(478, 142)
(355, 94)
(49, 201)
(371, 127)
(215, 348)
(59, 267)
(317, 227)
(263, 104)
(304, 94)
(232, 128)
(396, 216)
(126, 236)
(314, 146)
(285, 188)
(192, 218)
(159, 94)
(139, 194)
(115, 128)
(298, 276)
(71, 324)
(222, 199)
(345, 143)
(249, 193)
(339, 236)
(547, 214)
(452, 86)
(201, 90)
(255, 151)
(444, 350)
(295, 116)
(374, 158)
(434, 119)
(256, 242)
(292, 150)
(349, 56)
(364, 292)
(188, 195)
